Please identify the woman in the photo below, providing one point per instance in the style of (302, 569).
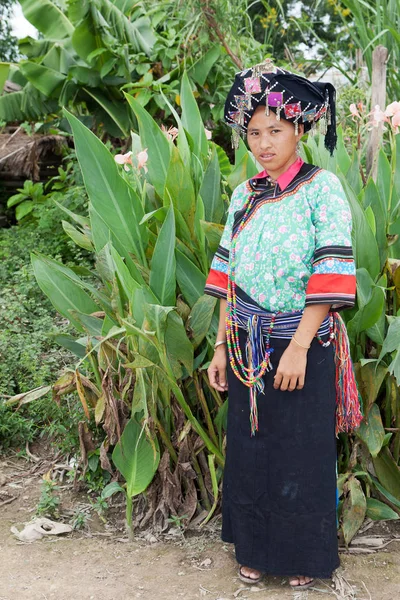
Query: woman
(283, 269)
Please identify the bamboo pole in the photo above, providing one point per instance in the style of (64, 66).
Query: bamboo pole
(378, 96)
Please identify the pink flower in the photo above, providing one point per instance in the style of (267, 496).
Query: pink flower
(142, 158)
(396, 122)
(282, 229)
(392, 109)
(280, 272)
(171, 133)
(208, 133)
(377, 117)
(354, 112)
(124, 159)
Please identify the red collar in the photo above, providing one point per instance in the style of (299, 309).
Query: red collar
(285, 178)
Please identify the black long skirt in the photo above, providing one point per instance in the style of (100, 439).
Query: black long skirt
(279, 487)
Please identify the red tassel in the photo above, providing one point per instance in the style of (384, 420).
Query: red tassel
(348, 410)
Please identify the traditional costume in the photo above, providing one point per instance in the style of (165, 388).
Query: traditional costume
(286, 245)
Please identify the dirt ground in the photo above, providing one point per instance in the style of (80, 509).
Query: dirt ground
(100, 564)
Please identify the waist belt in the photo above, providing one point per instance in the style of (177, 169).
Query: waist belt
(256, 321)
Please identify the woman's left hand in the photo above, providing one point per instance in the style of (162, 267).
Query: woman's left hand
(291, 369)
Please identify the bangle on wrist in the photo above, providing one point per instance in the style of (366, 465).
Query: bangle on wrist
(298, 343)
(219, 343)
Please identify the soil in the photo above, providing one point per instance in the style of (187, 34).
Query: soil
(99, 562)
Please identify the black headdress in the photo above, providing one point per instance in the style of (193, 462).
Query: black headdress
(289, 96)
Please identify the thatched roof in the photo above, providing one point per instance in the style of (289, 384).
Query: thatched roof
(21, 154)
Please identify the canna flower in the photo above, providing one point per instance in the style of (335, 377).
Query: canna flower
(354, 112)
(392, 109)
(171, 133)
(396, 121)
(377, 117)
(142, 158)
(124, 159)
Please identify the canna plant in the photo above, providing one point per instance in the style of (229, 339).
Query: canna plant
(369, 474)
(145, 330)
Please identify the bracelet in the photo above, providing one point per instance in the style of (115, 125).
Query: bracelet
(298, 343)
(219, 343)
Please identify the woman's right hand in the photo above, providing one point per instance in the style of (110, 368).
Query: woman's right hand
(217, 370)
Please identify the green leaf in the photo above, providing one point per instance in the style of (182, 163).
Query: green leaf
(372, 433)
(201, 68)
(74, 346)
(387, 471)
(179, 349)
(200, 318)
(224, 164)
(372, 200)
(383, 181)
(44, 79)
(163, 265)
(81, 220)
(190, 279)
(111, 489)
(180, 192)
(392, 339)
(118, 208)
(23, 209)
(65, 295)
(385, 493)
(370, 376)
(370, 300)
(210, 190)
(365, 246)
(47, 18)
(354, 508)
(30, 396)
(4, 70)
(158, 147)
(115, 110)
(192, 120)
(378, 511)
(136, 458)
(213, 233)
(80, 239)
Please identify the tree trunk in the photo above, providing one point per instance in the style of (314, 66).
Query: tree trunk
(378, 96)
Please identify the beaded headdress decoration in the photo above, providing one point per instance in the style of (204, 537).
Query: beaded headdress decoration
(289, 96)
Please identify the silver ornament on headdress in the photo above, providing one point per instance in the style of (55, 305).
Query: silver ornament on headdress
(267, 66)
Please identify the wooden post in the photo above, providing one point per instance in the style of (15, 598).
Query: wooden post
(378, 96)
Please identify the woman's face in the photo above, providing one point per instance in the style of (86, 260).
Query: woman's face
(272, 142)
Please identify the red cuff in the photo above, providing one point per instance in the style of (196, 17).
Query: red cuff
(331, 288)
(216, 284)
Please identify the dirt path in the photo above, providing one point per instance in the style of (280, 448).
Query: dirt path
(99, 564)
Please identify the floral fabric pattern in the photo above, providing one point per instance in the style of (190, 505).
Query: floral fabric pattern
(294, 249)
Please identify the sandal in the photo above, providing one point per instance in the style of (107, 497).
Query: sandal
(247, 579)
(302, 586)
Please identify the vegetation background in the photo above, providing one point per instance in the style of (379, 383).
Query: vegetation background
(113, 355)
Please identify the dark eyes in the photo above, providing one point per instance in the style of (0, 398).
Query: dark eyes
(272, 131)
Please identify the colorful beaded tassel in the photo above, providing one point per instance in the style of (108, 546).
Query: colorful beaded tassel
(348, 399)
